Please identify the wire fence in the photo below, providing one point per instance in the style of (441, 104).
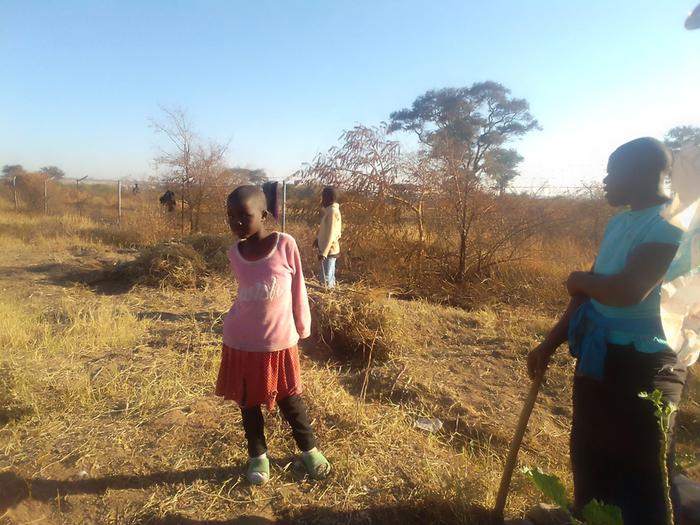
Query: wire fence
(129, 201)
(552, 223)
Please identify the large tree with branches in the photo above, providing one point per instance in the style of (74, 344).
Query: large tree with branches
(467, 130)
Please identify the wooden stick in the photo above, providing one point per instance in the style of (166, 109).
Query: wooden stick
(512, 458)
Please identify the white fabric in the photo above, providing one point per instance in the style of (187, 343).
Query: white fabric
(680, 292)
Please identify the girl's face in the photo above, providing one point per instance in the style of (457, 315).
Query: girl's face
(245, 218)
(621, 181)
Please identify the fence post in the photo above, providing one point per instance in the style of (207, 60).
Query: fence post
(14, 191)
(182, 211)
(284, 206)
(77, 192)
(46, 196)
(119, 191)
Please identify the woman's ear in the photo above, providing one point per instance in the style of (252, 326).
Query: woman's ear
(265, 214)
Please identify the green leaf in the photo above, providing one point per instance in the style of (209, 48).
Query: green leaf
(597, 513)
(550, 486)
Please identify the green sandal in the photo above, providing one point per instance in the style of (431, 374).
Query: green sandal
(317, 466)
(258, 472)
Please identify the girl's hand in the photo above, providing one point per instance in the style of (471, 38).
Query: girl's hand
(538, 359)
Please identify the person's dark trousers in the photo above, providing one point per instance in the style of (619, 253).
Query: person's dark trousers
(615, 437)
(294, 411)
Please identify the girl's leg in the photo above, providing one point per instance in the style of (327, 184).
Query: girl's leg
(293, 409)
(589, 464)
(324, 272)
(637, 479)
(330, 271)
(258, 472)
(254, 426)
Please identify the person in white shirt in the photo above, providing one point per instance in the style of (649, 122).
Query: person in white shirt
(329, 232)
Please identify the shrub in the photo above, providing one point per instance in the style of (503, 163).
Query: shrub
(357, 322)
(168, 264)
(213, 249)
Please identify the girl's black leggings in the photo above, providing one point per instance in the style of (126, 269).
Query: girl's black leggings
(293, 409)
(615, 445)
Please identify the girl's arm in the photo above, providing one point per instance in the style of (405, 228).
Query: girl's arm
(325, 235)
(300, 299)
(538, 359)
(644, 271)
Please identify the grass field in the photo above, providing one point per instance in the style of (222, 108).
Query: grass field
(107, 413)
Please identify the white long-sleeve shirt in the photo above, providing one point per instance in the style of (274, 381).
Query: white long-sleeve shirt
(330, 230)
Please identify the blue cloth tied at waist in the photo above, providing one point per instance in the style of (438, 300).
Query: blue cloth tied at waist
(588, 337)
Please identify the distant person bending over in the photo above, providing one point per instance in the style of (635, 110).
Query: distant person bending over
(328, 239)
(260, 357)
(614, 330)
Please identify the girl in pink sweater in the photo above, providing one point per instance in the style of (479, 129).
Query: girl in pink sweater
(260, 357)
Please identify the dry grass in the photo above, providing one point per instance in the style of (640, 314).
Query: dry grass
(119, 387)
(46, 347)
(91, 393)
(108, 414)
(63, 229)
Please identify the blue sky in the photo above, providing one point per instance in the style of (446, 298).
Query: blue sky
(281, 79)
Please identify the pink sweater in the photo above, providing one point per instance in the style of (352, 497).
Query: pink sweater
(271, 311)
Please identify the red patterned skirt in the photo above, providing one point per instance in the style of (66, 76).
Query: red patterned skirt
(258, 378)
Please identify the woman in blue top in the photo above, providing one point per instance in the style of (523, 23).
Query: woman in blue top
(614, 330)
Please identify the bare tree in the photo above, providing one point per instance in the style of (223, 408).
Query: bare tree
(421, 180)
(369, 164)
(366, 162)
(195, 169)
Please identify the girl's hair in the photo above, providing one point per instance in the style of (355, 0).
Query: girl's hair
(646, 155)
(331, 193)
(247, 193)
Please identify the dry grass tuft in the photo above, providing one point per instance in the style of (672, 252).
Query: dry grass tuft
(213, 249)
(358, 323)
(169, 264)
(186, 264)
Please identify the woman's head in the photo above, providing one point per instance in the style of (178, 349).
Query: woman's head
(636, 171)
(246, 209)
